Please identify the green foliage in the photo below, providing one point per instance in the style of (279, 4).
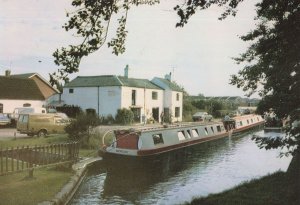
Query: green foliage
(188, 110)
(79, 129)
(107, 120)
(70, 110)
(199, 104)
(124, 116)
(272, 65)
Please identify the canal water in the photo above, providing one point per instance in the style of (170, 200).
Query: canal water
(178, 177)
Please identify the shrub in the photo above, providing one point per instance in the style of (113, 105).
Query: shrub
(70, 110)
(79, 128)
(124, 116)
(107, 120)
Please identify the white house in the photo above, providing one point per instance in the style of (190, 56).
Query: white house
(108, 93)
(24, 90)
(173, 97)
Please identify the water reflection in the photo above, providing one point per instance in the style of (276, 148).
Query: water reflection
(179, 176)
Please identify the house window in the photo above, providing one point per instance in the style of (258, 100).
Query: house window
(27, 105)
(206, 132)
(195, 133)
(180, 135)
(177, 96)
(71, 90)
(188, 133)
(157, 139)
(133, 97)
(219, 128)
(1, 108)
(154, 95)
(177, 111)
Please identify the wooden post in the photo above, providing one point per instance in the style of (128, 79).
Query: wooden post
(23, 157)
(27, 156)
(31, 159)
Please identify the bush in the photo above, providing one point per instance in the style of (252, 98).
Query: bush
(124, 116)
(79, 128)
(70, 110)
(107, 120)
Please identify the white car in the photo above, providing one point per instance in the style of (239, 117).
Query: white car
(4, 119)
(202, 116)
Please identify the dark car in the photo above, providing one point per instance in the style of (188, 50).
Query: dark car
(202, 116)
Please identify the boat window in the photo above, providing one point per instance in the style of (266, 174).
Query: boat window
(248, 122)
(241, 123)
(181, 135)
(212, 129)
(188, 133)
(219, 128)
(206, 132)
(195, 133)
(157, 139)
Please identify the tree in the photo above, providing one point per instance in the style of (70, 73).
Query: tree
(273, 65)
(270, 64)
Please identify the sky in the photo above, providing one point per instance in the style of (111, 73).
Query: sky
(199, 55)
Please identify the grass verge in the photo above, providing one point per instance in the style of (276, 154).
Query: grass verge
(16, 189)
(278, 188)
(31, 141)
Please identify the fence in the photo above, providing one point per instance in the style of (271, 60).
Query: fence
(25, 157)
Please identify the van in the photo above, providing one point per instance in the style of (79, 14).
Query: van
(24, 110)
(41, 124)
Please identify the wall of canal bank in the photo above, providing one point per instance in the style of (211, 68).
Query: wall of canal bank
(64, 196)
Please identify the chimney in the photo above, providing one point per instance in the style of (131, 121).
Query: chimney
(126, 70)
(168, 76)
(7, 73)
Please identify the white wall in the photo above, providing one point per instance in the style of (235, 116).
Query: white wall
(143, 100)
(87, 97)
(10, 105)
(113, 98)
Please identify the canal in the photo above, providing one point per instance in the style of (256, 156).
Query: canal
(177, 177)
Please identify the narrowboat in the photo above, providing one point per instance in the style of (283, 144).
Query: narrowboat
(149, 141)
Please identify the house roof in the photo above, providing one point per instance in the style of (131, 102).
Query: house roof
(23, 75)
(19, 89)
(172, 86)
(110, 80)
(31, 75)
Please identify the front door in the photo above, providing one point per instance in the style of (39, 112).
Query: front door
(155, 114)
(136, 114)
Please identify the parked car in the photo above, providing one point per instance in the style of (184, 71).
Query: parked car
(41, 124)
(202, 116)
(4, 119)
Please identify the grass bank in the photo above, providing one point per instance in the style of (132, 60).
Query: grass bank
(16, 189)
(279, 188)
